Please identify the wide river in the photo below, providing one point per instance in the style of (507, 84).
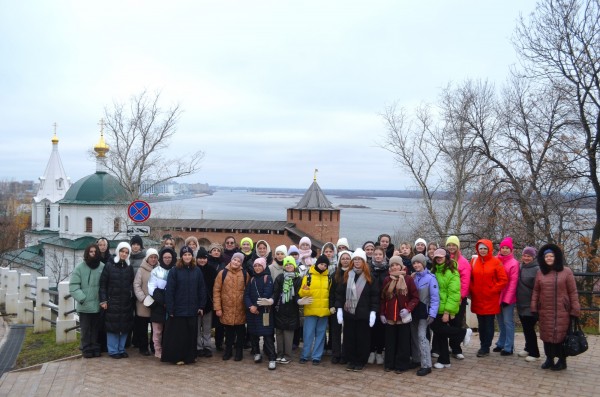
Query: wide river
(383, 215)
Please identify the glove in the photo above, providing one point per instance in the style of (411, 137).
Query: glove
(307, 300)
(332, 310)
(383, 319)
(404, 312)
(340, 316)
(430, 320)
(264, 302)
(372, 319)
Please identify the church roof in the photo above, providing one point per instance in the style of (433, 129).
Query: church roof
(78, 244)
(100, 188)
(314, 199)
(30, 257)
(55, 183)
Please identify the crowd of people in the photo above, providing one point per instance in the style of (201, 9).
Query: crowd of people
(377, 304)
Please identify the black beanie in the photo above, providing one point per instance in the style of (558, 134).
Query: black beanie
(322, 259)
(137, 240)
(202, 253)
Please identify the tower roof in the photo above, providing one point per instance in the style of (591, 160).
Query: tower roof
(54, 183)
(314, 199)
(99, 188)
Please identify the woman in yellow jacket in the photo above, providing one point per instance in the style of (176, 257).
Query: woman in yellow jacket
(315, 295)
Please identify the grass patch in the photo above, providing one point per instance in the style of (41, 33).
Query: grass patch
(42, 347)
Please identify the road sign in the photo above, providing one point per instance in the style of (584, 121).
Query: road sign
(139, 211)
(142, 231)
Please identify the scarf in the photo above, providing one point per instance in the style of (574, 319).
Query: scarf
(305, 256)
(397, 282)
(288, 286)
(93, 263)
(354, 290)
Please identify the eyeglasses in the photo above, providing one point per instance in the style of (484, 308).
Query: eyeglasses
(229, 242)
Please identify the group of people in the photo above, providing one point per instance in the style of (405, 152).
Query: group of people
(377, 304)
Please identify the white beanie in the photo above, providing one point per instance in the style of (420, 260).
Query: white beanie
(359, 253)
(150, 251)
(420, 240)
(343, 241)
(281, 248)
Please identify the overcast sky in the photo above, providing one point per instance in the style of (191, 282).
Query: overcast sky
(270, 89)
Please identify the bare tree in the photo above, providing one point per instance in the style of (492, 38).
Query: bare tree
(139, 133)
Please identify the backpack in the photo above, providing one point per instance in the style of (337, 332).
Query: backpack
(224, 274)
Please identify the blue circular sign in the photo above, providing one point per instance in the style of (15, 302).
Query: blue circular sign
(139, 211)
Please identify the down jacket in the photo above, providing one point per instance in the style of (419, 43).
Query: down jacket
(185, 293)
(449, 290)
(228, 296)
(390, 307)
(116, 289)
(488, 278)
(140, 289)
(511, 267)
(287, 315)
(367, 302)
(318, 288)
(554, 297)
(260, 286)
(83, 287)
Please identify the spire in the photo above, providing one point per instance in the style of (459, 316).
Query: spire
(315, 177)
(54, 183)
(101, 149)
(314, 198)
(55, 138)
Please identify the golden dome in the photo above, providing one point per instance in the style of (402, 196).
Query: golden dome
(101, 147)
(55, 139)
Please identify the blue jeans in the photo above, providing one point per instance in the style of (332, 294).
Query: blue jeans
(115, 342)
(314, 329)
(506, 324)
(486, 331)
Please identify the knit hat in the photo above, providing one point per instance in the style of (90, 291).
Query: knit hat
(289, 260)
(215, 245)
(262, 262)
(420, 240)
(249, 240)
(368, 243)
(439, 253)
(359, 253)
(119, 248)
(419, 258)
(191, 238)
(304, 240)
(507, 242)
(396, 260)
(281, 248)
(150, 251)
(137, 240)
(202, 253)
(238, 255)
(185, 249)
(344, 252)
(453, 240)
(293, 250)
(322, 259)
(531, 251)
(343, 241)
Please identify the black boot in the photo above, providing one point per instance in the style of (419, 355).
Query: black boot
(239, 354)
(560, 365)
(227, 355)
(549, 363)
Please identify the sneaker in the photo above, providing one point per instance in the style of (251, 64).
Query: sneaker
(207, 352)
(441, 366)
(316, 362)
(284, 360)
(386, 369)
(272, 365)
(467, 339)
(459, 356)
(180, 363)
(399, 371)
(358, 368)
(303, 361)
(497, 349)
(350, 367)
(379, 359)
(88, 354)
(371, 359)
(523, 353)
(505, 353)
(278, 359)
(531, 359)
(124, 355)
(482, 353)
(434, 355)
(423, 371)
(257, 358)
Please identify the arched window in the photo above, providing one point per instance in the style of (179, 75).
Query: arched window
(88, 225)
(117, 225)
(47, 215)
(66, 223)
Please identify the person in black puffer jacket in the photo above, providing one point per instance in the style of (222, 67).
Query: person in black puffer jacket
(205, 322)
(287, 313)
(116, 298)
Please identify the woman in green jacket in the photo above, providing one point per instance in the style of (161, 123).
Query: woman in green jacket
(84, 286)
(446, 274)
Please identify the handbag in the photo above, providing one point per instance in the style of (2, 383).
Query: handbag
(575, 342)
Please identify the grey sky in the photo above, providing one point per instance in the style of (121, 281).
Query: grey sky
(270, 89)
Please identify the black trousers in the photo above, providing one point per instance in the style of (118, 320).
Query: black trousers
(89, 326)
(268, 345)
(219, 331)
(397, 346)
(357, 341)
(553, 350)
(235, 335)
(442, 332)
(335, 336)
(458, 321)
(531, 343)
(378, 336)
(140, 330)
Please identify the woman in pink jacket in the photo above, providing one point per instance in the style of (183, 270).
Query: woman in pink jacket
(508, 299)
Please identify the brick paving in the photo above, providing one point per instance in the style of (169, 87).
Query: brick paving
(147, 376)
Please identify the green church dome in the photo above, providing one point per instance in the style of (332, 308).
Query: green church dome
(96, 189)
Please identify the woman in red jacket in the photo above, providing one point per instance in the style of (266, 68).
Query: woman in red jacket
(556, 301)
(488, 278)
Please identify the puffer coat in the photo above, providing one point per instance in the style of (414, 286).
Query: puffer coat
(316, 286)
(140, 289)
(260, 286)
(488, 279)
(287, 315)
(116, 289)
(228, 296)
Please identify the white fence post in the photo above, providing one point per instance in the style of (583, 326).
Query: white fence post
(65, 320)
(24, 305)
(12, 291)
(40, 311)
(3, 278)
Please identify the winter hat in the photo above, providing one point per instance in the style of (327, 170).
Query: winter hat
(150, 251)
(289, 260)
(293, 250)
(136, 240)
(119, 247)
(322, 259)
(359, 253)
(343, 241)
(305, 240)
(191, 238)
(344, 252)
(169, 250)
(202, 253)
(262, 262)
(185, 249)
(249, 240)
(530, 251)
(367, 243)
(439, 253)
(507, 242)
(419, 258)
(453, 240)
(396, 259)
(420, 240)
(238, 255)
(215, 245)
(281, 248)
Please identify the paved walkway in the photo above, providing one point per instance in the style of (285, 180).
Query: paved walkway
(148, 377)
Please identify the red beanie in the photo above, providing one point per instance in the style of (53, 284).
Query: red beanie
(507, 242)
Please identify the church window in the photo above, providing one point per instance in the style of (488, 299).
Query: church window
(66, 223)
(88, 225)
(47, 216)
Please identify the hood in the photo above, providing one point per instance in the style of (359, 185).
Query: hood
(559, 259)
(268, 248)
(173, 254)
(119, 247)
(489, 245)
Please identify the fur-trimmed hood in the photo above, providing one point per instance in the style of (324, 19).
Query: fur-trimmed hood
(559, 259)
